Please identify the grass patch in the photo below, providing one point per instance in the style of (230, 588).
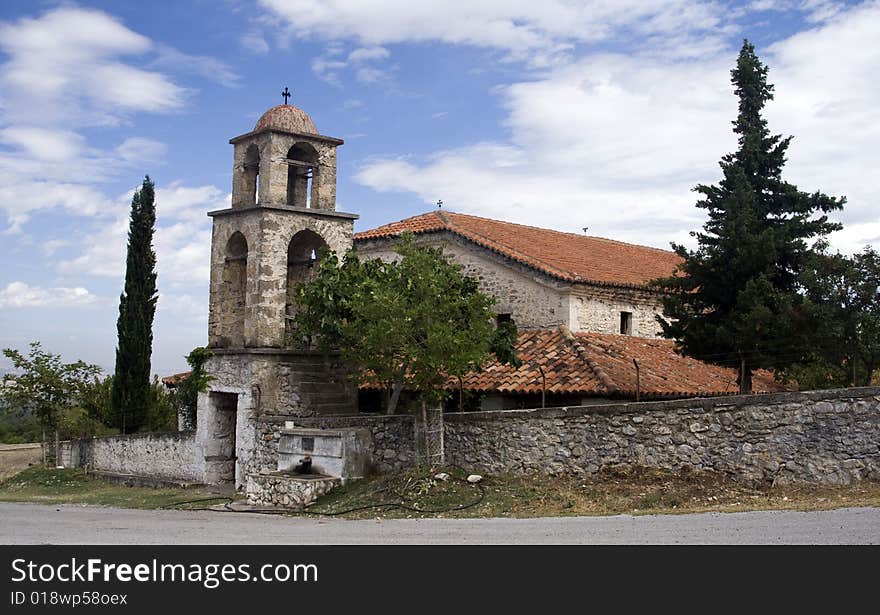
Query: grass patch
(611, 491)
(73, 486)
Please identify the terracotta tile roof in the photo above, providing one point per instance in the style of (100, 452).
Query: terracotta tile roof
(566, 256)
(599, 364)
(287, 118)
(175, 379)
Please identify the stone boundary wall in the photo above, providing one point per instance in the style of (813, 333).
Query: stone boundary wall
(820, 437)
(168, 456)
(393, 438)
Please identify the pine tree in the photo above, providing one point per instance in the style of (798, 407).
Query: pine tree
(137, 306)
(735, 300)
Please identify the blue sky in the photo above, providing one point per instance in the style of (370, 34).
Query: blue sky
(558, 114)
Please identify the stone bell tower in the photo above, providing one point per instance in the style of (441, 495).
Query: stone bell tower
(283, 213)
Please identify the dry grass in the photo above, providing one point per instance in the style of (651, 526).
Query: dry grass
(16, 457)
(613, 491)
(43, 485)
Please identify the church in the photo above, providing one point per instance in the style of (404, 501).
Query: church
(583, 305)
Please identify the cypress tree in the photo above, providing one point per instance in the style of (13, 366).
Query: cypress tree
(735, 299)
(137, 306)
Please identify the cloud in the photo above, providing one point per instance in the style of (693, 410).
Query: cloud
(254, 42)
(20, 295)
(204, 66)
(368, 54)
(616, 142)
(64, 71)
(73, 55)
(537, 32)
(330, 64)
(182, 240)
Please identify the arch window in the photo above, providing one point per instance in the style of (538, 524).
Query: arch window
(302, 259)
(302, 172)
(234, 287)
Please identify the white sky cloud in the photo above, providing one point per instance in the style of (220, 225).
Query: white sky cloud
(523, 29)
(76, 55)
(85, 58)
(616, 142)
(182, 239)
(21, 295)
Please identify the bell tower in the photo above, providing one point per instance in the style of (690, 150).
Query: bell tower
(283, 213)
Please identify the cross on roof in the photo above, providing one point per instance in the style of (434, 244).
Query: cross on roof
(286, 94)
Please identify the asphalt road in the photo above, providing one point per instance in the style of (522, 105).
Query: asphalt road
(70, 524)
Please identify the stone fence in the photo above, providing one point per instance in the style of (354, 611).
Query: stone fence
(160, 456)
(824, 437)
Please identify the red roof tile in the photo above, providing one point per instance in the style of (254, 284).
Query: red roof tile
(175, 379)
(599, 364)
(566, 256)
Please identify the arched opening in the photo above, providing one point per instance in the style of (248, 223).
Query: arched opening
(234, 290)
(302, 172)
(302, 265)
(252, 175)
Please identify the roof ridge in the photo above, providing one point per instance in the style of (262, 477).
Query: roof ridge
(600, 374)
(516, 254)
(553, 230)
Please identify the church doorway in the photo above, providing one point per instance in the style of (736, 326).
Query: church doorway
(220, 456)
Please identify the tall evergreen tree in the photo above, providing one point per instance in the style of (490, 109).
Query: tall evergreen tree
(734, 300)
(137, 306)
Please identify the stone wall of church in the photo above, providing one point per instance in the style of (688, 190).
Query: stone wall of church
(820, 437)
(597, 309)
(533, 300)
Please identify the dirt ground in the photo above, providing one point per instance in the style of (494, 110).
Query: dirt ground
(16, 457)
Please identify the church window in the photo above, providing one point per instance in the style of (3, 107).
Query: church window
(626, 322)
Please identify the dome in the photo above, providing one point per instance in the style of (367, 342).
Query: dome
(287, 118)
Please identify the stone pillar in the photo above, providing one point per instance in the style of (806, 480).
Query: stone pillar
(324, 191)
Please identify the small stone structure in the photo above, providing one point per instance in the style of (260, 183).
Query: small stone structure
(340, 453)
(284, 490)
(310, 463)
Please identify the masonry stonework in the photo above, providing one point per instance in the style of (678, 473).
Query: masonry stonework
(533, 299)
(167, 456)
(822, 437)
(598, 309)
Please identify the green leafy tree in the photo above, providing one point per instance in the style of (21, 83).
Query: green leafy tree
(186, 394)
(844, 295)
(137, 307)
(45, 386)
(734, 300)
(95, 399)
(410, 324)
(162, 414)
